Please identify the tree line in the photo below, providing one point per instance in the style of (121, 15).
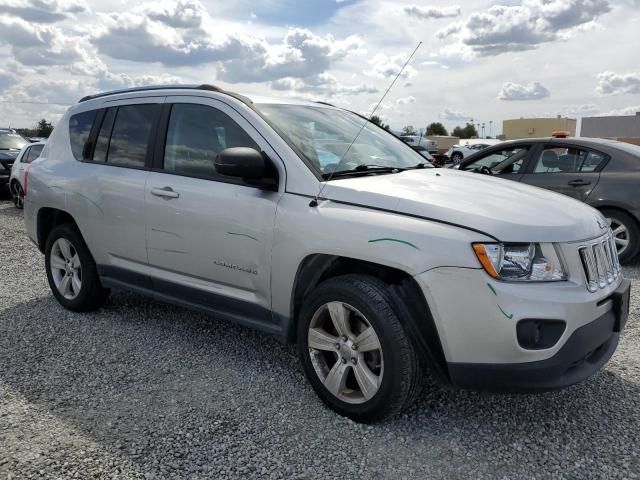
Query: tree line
(435, 128)
(41, 129)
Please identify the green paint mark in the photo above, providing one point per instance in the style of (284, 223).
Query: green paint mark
(496, 294)
(505, 313)
(244, 235)
(393, 240)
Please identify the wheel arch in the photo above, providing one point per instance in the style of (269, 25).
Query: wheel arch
(408, 300)
(617, 207)
(49, 218)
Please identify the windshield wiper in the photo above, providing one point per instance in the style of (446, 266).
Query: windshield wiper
(362, 169)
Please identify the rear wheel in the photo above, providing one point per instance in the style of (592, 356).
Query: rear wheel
(71, 271)
(17, 194)
(354, 349)
(626, 233)
(456, 157)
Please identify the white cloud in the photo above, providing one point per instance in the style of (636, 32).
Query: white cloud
(454, 116)
(424, 13)
(383, 66)
(406, 100)
(43, 45)
(42, 11)
(610, 83)
(523, 27)
(183, 34)
(580, 110)
(322, 84)
(530, 91)
(6, 80)
(625, 111)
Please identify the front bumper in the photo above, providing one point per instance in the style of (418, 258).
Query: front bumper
(476, 320)
(583, 354)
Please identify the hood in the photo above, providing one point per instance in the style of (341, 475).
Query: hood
(504, 209)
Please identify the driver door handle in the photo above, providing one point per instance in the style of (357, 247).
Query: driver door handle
(164, 192)
(579, 183)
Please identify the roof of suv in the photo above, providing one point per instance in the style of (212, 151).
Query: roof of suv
(248, 99)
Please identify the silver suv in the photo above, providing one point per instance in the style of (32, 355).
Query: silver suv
(310, 223)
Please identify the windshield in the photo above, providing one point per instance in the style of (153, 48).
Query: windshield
(507, 160)
(11, 141)
(323, 136)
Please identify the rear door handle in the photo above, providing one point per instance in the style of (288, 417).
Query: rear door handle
(579, 183)
(164, 192)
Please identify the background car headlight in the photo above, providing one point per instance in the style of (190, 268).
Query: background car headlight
(521, 262)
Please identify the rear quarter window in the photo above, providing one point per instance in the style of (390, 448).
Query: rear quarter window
(79, 129)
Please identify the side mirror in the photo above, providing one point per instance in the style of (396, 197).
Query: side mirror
(242, 162)
(252, 166)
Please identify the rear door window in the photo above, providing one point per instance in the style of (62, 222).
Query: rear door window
(102, 141)
(34, 152)
(131, 134)
(79, 129)
(559, 159)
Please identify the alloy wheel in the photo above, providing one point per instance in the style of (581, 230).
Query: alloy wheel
(17, 195)
(620, 235)
(345, 352)
(66, 268)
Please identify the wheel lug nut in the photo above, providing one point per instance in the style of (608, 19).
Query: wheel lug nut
(354, 347)
(337, 346)
(354, 360)
(344, 339)
(344, 360)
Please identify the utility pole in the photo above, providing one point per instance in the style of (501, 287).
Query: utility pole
(490, 123)
(482, 129)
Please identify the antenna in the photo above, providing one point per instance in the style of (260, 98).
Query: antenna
(314, 202)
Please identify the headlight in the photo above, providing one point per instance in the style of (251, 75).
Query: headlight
(521, 262)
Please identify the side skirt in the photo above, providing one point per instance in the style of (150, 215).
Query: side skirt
(218, 306)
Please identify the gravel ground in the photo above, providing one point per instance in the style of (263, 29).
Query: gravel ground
(146, 390)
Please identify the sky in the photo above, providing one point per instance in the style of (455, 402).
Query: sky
(486, 61)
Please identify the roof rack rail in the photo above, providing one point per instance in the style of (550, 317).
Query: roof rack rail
(211, 88)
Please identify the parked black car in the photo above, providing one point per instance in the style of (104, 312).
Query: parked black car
(602, 173)
(10, 145)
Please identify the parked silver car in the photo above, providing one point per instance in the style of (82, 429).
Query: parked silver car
(300, 220)
(17, 179)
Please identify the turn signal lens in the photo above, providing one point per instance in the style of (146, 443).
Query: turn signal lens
(488, 256)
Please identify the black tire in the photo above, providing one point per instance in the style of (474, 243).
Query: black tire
(633, 232)
(456, 157)
(91, 295)
(17, 194)
(402, 377)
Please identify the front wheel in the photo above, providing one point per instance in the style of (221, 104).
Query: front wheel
(456, 157)
(626, 234)
(17, 194)
(71, 270)
(355, 351)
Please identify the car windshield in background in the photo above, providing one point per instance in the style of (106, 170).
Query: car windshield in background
(508, 160)
(323, 136)
(11, 141)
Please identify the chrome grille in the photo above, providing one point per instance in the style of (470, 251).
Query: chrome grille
(600, 262)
